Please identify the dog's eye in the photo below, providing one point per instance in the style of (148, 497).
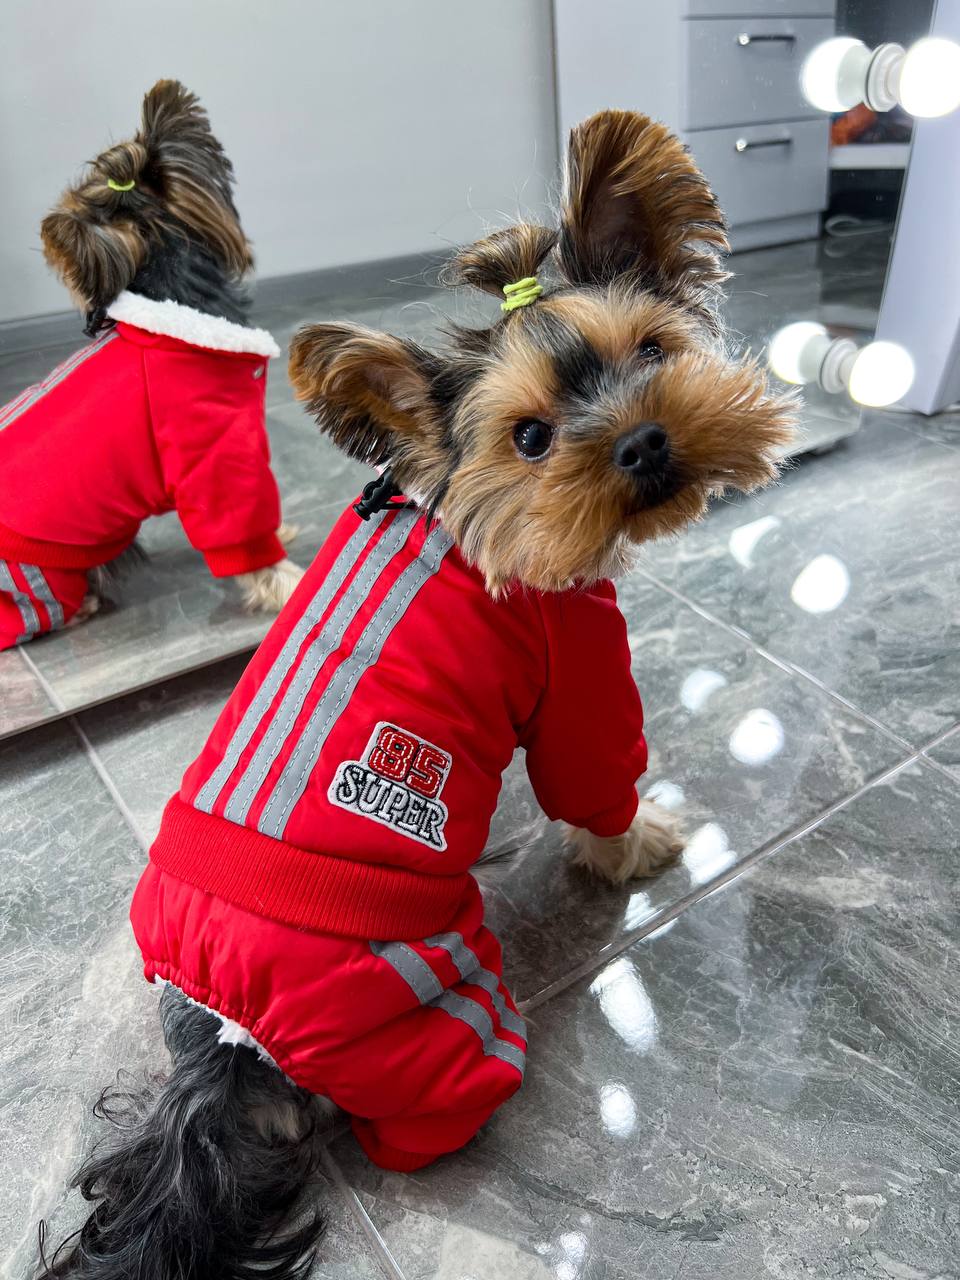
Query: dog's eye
(532, 437)
(650, 349)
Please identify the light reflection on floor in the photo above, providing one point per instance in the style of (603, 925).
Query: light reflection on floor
(822, 586)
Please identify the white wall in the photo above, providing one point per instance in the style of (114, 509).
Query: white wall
(359, 129)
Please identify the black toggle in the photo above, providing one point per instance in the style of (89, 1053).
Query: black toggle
(377, 496)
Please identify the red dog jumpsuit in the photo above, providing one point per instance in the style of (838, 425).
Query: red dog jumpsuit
(164, 410)
(311, 880)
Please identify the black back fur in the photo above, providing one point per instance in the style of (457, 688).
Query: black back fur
(200, 1171)
(181, 270)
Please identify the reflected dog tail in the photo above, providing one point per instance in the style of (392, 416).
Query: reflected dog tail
(202, 1170)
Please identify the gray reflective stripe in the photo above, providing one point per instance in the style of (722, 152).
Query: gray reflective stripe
(8, 411)
(428, 989)
(475, 1016)
(259, 705)
(42, 590)
(57, 376)
(293, 780)
(468, 965)
(28, 614)
(321, 647)
(412, 968)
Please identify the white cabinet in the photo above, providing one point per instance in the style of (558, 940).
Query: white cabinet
(725, 74)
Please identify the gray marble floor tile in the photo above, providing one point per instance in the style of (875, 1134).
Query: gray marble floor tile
(73, 1005)
(947, 753)
(747, 751)
(847, 569)
(943, 428)
(23, 702)
(146, 740)
(767, 1089)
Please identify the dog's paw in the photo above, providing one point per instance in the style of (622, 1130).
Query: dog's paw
(88, 607)
(652, 840)
(287, 533)
(267, 590)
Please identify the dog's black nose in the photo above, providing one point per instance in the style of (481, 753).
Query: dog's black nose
(643, 450)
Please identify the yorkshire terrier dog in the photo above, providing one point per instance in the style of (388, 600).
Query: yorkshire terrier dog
(165, 408)
(308, 906)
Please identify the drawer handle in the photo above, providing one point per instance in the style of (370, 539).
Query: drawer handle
(745, 38)
(748, 144)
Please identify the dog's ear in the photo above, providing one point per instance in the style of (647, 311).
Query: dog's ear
(96, 259)
(369, 391)
(636, 205)
(191, 171)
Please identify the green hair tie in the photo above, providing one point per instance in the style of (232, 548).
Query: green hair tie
(521, 293)
(120, 186)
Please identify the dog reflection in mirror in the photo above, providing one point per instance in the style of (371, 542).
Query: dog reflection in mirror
(466, 612)
(165, 408)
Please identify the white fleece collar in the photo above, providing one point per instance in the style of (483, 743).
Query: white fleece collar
(189, 325)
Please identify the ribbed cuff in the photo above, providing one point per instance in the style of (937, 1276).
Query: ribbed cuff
(57, 555)
(302, 887)
(614, 822)
(244, 557)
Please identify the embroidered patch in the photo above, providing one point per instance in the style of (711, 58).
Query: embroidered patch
(397, 783)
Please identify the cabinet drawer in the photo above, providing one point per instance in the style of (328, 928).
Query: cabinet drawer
(765, 171)
(760, 8)
(740, 70)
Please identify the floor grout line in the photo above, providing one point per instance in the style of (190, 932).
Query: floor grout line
(761, 854)
(940, 768)
(940, 737)
(106, 778)
(784, 664)
(376, 1241)
(55, 700)
(935, 764)
(91, 753)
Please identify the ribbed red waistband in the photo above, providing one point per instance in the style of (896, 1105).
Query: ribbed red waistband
(56, 555)
(300, 887)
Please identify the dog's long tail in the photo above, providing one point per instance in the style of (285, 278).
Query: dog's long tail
(202, 1171)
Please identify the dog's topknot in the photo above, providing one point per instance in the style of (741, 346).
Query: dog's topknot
(501, 258)
(121, 164)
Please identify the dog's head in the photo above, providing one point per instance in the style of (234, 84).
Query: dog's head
(170, 183)
(602, 414)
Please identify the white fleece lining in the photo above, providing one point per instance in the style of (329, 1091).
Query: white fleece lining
(189, 325)
(230, 1032)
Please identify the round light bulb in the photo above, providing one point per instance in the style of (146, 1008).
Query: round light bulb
(789, 352)
(834, 75)
(881, 374)
(930, 78)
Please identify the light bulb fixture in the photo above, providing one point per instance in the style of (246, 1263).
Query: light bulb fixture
(875, 375)
(924, 79)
